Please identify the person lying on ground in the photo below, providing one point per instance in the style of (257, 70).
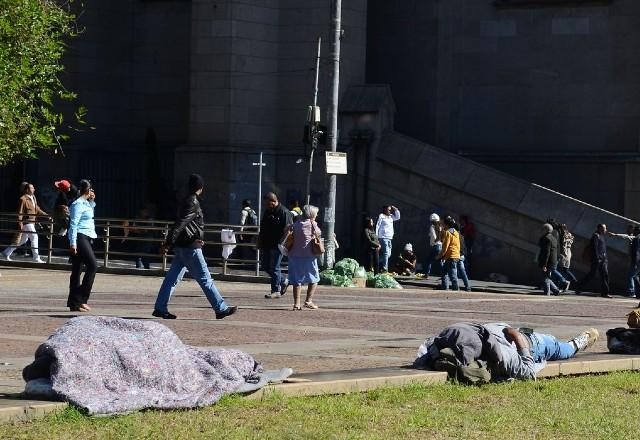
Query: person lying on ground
(504, 351)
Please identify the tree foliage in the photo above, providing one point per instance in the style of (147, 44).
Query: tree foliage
(32, 44)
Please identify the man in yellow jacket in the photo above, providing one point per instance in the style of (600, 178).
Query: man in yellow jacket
(450, 254)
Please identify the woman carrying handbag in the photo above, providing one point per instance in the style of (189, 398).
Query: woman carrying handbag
(303, 263)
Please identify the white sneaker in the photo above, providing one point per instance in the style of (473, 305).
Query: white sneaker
(38, 260)
(585, 339)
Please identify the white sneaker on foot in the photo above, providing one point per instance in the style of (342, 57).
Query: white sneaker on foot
(38, 260)
(585, 339)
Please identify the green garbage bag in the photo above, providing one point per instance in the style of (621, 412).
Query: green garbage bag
(386, 281)
(371, 279)
(346, 267)
(342, 281)
(327, 277)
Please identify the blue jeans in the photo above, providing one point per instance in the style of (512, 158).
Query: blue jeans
(568, 275)
(270, 261)
(549, 286)
(462, 273)
(548, 348)
(556, 275)
(450, 274)
(385, 253)
(633, 279)
(192, 260)
(433, 253)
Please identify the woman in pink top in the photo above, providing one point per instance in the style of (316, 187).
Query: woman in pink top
(303, 265)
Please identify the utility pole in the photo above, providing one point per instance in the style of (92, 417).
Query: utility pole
(332, 135)
(259, 164)
(313, 118)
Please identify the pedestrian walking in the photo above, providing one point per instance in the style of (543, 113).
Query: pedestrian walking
(248, 217)
(186, 237)
(82, 232)
(28, 209)
(450, 254)
(556, 276)
(371, 249)
(462, 270)
(633, 280)
(274, 222)
(303, 261)
(565, 244)
(597, 253)
(384, 231)
(435, 244)
(547, 258)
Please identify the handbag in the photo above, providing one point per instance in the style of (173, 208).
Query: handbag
(317, 247)
(286, 243)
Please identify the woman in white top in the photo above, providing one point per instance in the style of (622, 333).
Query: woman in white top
(384, 231)
(435, 243)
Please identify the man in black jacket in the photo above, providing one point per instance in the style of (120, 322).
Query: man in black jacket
(547, 258)
(274, 221)
(186, 237)
(599, 262)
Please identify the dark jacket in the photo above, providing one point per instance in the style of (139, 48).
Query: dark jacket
(634, 253)
(188, 229)
(548, 256)
(272, 226)
(598, 248)
(371, 238)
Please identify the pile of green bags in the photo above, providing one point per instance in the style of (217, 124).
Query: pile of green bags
(344, 272)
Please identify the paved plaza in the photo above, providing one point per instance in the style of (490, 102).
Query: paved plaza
(354, 328)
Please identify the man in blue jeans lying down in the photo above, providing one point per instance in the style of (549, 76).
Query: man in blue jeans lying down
(507, 352)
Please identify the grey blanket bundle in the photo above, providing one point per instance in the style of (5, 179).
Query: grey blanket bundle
(109, 365)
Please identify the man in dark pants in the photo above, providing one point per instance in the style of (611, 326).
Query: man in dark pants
(599, 262)
(276, 217)
(547, 258)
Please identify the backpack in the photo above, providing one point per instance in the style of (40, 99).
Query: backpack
(252, 218)
(623, 340)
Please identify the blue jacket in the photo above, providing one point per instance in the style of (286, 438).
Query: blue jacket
(81, 220)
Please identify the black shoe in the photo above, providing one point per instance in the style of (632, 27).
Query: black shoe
(166, 315)
(230, 311)
(284, 287)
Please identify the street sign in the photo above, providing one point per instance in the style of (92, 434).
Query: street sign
(336, 162)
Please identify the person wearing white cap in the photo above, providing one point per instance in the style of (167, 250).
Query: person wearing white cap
(435, 242)
(384, 231)
(406, 264)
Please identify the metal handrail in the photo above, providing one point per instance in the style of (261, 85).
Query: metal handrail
(107, 230)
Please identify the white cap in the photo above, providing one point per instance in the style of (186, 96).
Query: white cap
(435, 217)
(408, 247)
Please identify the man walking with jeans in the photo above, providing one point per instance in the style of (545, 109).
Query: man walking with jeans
(274, 221)
(186, 236)
(547, 258)
(599, 262)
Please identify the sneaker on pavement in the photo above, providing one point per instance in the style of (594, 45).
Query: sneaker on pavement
(585, 339)
(229, 311)
(273, 295)
(38, 260)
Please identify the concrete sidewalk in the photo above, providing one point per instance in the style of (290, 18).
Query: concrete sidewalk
(354, 329)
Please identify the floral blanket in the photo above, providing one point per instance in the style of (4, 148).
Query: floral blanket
(109, 365)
